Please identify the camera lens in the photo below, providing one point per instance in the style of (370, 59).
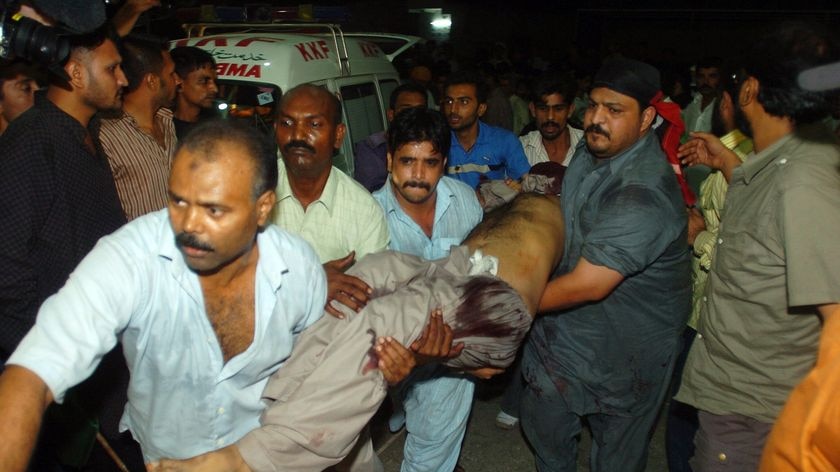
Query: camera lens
(33, 41)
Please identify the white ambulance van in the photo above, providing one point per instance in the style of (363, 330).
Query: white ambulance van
(256, 63)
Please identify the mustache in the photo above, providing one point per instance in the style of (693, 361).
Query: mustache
(189, 240)
(596, 128)
(550, 123)
(298, 144)
(417, 184)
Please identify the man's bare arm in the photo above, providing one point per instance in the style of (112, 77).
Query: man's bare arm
(226, 459)
(23, 399)
(587, 282)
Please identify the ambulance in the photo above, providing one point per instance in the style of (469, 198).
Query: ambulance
(256, 63)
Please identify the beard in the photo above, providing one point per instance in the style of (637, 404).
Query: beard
(741, 121)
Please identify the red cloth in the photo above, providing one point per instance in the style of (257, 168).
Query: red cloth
(670, 112)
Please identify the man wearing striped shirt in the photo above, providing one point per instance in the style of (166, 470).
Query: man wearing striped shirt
(140, 141)
(428, 213)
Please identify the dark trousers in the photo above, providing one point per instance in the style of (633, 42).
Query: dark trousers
(681, 425)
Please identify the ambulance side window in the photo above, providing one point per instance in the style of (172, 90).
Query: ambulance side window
(385, 88)
(362, 110)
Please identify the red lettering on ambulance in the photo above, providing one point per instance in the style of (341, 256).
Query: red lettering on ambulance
(236, 69)
(324, 49)
(217, 42)
(303, 53)
(313, 48)
(254, 71)
(247, 41)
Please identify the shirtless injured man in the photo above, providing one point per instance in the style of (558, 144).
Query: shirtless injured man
(488, 290)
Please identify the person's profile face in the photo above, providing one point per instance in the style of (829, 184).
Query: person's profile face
(415, 170)
(199, 88)
(169, 81)
(18, 96)
(104, 77)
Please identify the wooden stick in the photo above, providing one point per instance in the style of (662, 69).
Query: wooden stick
(111, 453)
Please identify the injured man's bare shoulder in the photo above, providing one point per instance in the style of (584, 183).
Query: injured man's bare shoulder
(488, 289)
(526, 235)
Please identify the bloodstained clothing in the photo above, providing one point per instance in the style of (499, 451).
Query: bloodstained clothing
(614, 357)
(330, 387)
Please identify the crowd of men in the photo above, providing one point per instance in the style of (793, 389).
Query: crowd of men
(173, 288)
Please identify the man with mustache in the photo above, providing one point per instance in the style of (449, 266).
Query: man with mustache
(479, 151)
(206, 298)
(621, 295)
(697, 115)
(315, 200)
(552, 103)
(428, 213)
(197, 88)
(708, 76)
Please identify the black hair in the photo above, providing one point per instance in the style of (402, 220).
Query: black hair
(141, 57)
(419, 125)
(776, 61)
(709, 62)
(469, 78)
(11, 69)
(548, 84)
(408, 87)
(190, 58)
(205, 137)
(333, 99)
(90, 41)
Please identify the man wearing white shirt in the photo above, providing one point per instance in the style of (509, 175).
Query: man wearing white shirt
(552, 104)
(206, 299)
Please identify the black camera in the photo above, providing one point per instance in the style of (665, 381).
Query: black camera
(26, 38)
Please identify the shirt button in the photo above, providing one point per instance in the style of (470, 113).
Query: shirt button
(699, 336)
(722, 457)
(219, 442)
(705, 298)
(221, 411)
(720, 240)
(783, 161)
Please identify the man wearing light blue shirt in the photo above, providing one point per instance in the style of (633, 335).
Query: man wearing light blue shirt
(428, 213)
(206, 299)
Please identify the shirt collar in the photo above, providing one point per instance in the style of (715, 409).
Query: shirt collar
(328, 194)
(271, 264)
(443, 198)
(534, 139)
(616, 163)
(757, 162)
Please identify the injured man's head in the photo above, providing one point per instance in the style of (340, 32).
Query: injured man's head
(491, 321)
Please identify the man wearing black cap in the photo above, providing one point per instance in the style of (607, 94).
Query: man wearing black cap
(622, 292)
